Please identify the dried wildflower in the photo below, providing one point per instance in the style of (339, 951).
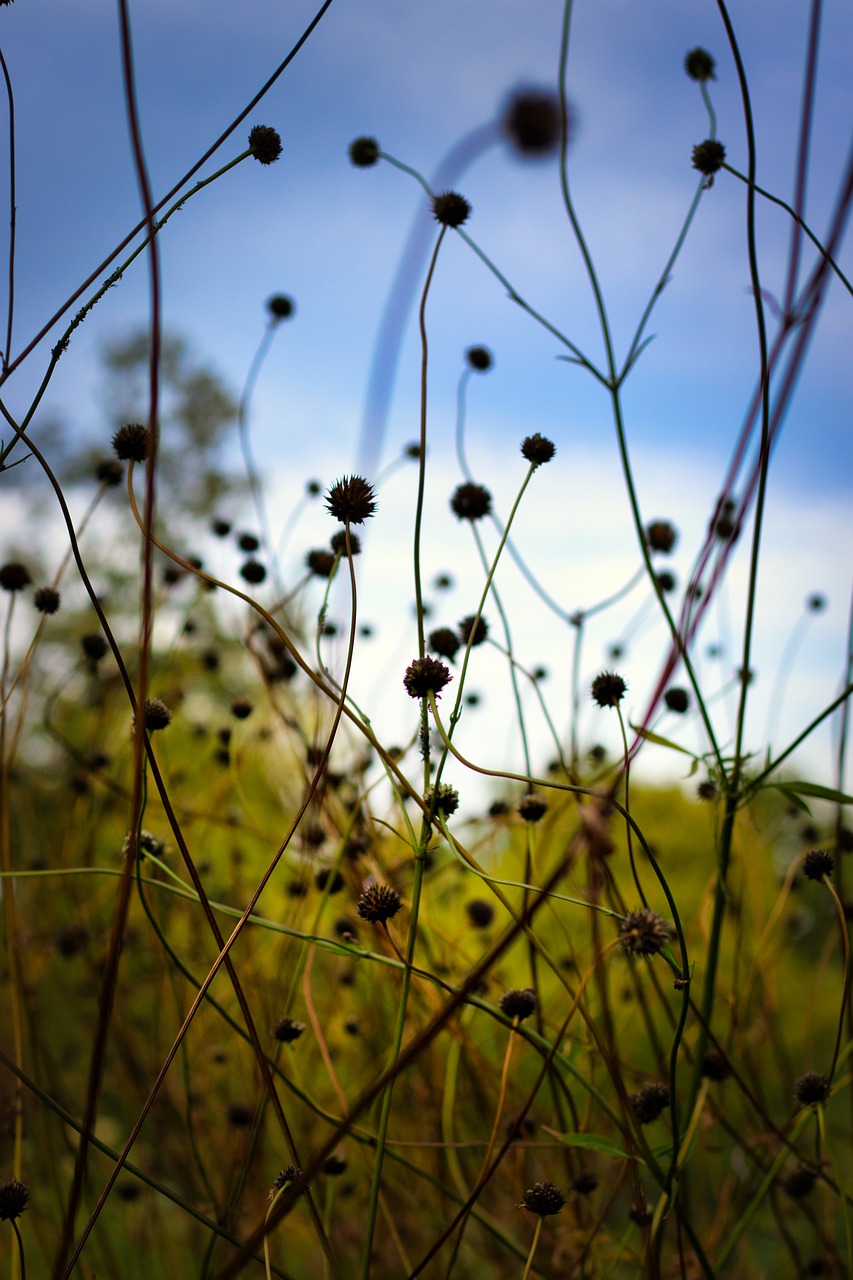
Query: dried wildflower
(544, 1199)
(479, 358)
(699, 65)
(379, 903)
(531, 123)
(450, 209)
(816, 603)
(473, 630)
(661, 536)
(326, 880)
(644, 933)
(677, 700)
(94, 646)
(537, 449)
(584, 1182)
(651, 1101)
(157, 715)
(239, 1115)
(666, 581)
(715, 1066)
(364, 152)
(287, 1029)
(799, 1183)
(338, 543)
(444, 642)
(424, 676)
(265, 144)
(812, 1088)
(519, 1003)
(248, 542)
(321, 562)
(130, 442)
(220, 528)
(608, 689)
(242, 708)
(14, 1197)
(709, 156)
(351, 500)
(532, 807)
(334, 1165)
(480, 913)
(109, 472)
(280, 307)
(14, 577)
(444, 799)
(707, 790)
(818, 863)
(471, 501)
(253, 572)
(291, 1176)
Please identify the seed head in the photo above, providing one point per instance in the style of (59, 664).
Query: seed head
(334, 1165)
(46, 599)
(584, 1182)
(666, 581)
(424, 676)
(109, 472)
(818, 863)
(94, 646)
(812, 1089)
(519, 1003)
(444, 797)
(480, 913)
(450, 209)
(130, 442)
(444, 641)
(242, 708)
(544, 1199)
(379, 903)
(715, 1067)
(280, 307)
(320, 562)
(13, 1199)
(608, 689)
(816, 603)
(157, 715)
(644, 933)
(799, 1183)
(287, 1029)
(677, 700)
(532, 807)
(479, 359)
(531, 123)
(661, 536)
(253, 572)
(14, 577)
(351, 500)
(537, 449)
(265, 144)
(471, 501)
(286, 1177)
(708, 156)
(248, 542)
(473, 630)
(364, 152)
(699, 65)
(651, 1101)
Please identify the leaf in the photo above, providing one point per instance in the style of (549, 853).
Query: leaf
(590, 1142)
(661, 742)
(814, 790)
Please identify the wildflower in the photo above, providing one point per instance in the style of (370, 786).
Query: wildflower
(473, 630)
(608, 689)
(287, 1029)
(450, 209)
(321, 563)
(14, 577)
(280, 307)
(479, 359)
(651, 1101)
(661, 536)
(812, 1088)
(644, 933)
(265, 144)
(424, 676)
(13, 1199)
(242, 708)
(364, 152)
(699, 65)
(480, 913)
(518, 1003)
(471, 501)
(799, 1183)
(444, 641)
(709, 156)
(537, 449)
(339, 543)
(715, 1067)
(531, 122)
(108, 472)
(584, 1182)
(94, 646)
(818, 863)
(351, 500)
(443, 798)
(379, 903)
(291, 1176)
(253, 572)
(544, 1199)
(677, 700)
(131, 442)
(531, 807)
(157, 715)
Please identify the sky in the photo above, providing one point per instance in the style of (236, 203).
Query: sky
(419, 78)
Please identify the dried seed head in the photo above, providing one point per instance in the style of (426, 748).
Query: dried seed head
(544, 1199)
(157, 715)
(248, 542)
(253, 572)
(473, 630)
(644, 933)
(14, 1197)
(661, 536)
(799, 1183)
(651, 1101)
(666, 581)
(242, 708)
(584, 1182)
(479, 358)
(818, 863)
(709, 156)
(424, 676)
(364, 152)
(334, 1165)
(287, 1029)
(94, 646)
(608, 689)
(320, 562)
(445, 642)
(444, 797)
(480, 913)
(46, 599)
(537, 449)
(531, 123)
(379, 903)
(14, 576)
(287, 1177)
(519, 1003)
(109, 472)
(450, 209)
(130, 442)
(715, 1067)
(265, 144)
(812, 1088)
(351, 500)
(699, 65)
(532, 807)
(338, 543)
(280, 307)
(677, 700)
(816, 603)
(471, 501)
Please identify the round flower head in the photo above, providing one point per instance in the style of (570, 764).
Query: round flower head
(14, 576)
(157, 715)
(94, 646)
(799, 1182)
(473, 630)
(471, 501)
(130, 443)
(444, 642)
(364, 152)
(291, 1176)
(818, 863)
(338, 543)
(479, 359)
(424, 676)
(531, 808)
(14, 1197)
(444, 797)
(287, 1029)
(709, 156)
(109, 472)
(379, 903)
(699, 65)
(265, 144)
(351, 500)
(320, 562)
(812, 1089)
(715, 1067)
(46, 599)
(531, 123)
(666, 581)
(651, 1101)
(537, 449)
(677, 700)
(544, 1199)
(253, 572)
(480, 913)
(518, 1003)
(661, 536)
(450, 209)
(280, 307)
(608, 689)
(644, 933)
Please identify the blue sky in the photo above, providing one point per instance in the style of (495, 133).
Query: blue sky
(418, 77)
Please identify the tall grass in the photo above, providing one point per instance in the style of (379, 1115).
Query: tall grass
(279, 997)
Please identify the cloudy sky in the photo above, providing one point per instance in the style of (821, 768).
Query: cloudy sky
(419, 78)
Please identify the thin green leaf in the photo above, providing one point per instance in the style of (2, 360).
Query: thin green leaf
(590, 1142)
(661, 742)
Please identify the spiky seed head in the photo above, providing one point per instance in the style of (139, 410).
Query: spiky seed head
(242, 708)
(280, 307)
(131, 442)
(471, 501)
(444, 642)
(644, 933)
(537, 449)
(531, 123)
(14, 1197)
(424, 676)
(519, 1003)
(291, 1176)
(544, 1199)
(157, 715)
(473, 630)
(799, 1183)
(253, 572)
(479, 359)
(699, 65)
(812, 1089)
(379, 903)
(709, 156)
(14, 576)
(480, 913)
(46, 599)
(661, 536)
(608, 689)
(450, 209)
(818, 863)
(364, 152)
(94, 646)
(109, 472)
(532, 807)
(321, 562)
(287, 1029)
(444, 797)
(650, 1102)
(351, 500)
(265, 144)
(677, 700)
(715, 1066)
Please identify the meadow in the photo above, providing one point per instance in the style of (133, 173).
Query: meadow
(286, 995)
